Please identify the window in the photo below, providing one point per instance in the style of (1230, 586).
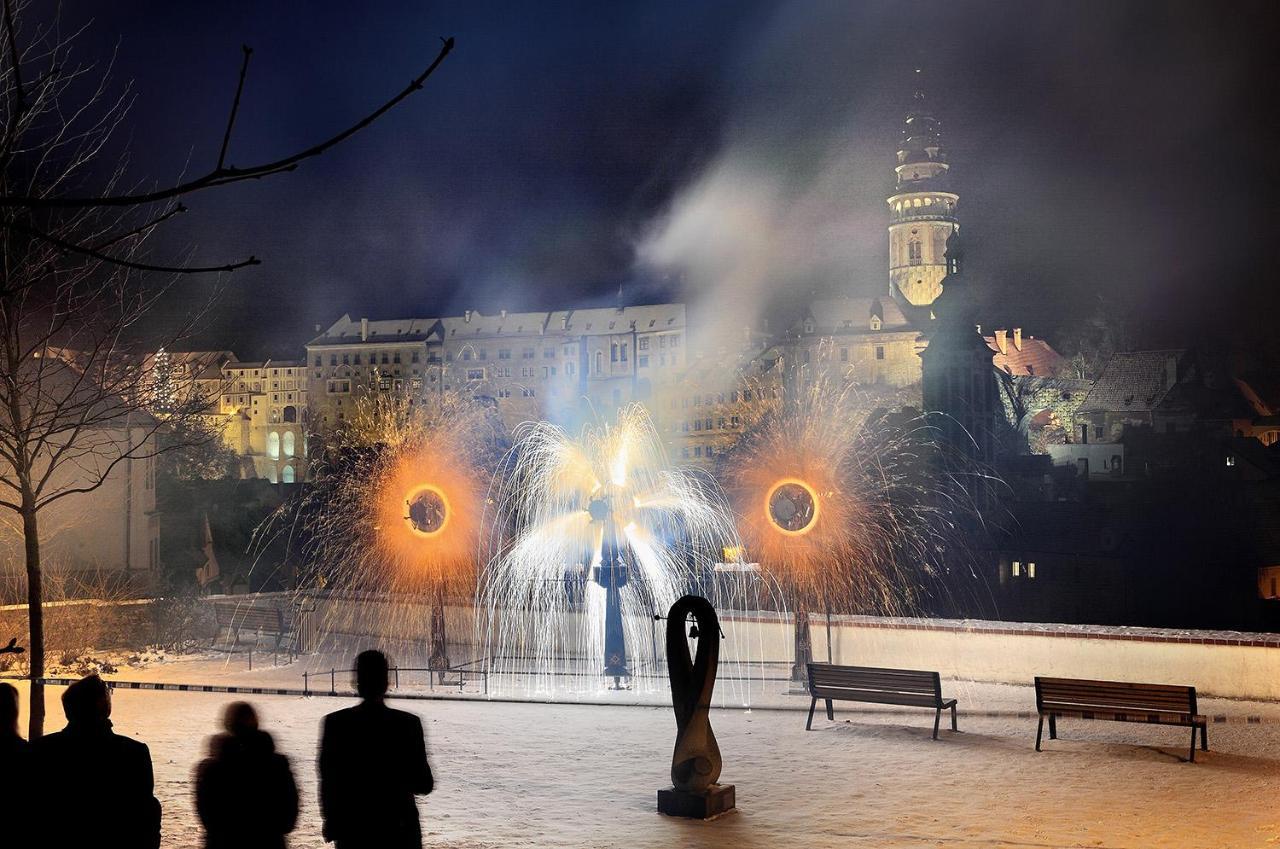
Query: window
(844, 355)
(613, 352)
(809, 325)
(913, 252)
(333, 359)
(697, 451)
(568, 369)
(875, 322)
(273, 445)
(624, 352)
(675, 341)
(746, 395)
(1015, 569)
(466, 355)
(287, 475)
(417, 356)
(527, 392)
(697, 424)
(599, 362)
(475, 374)
(346, 359)
(643, 343)
(504, 353)
(527, 353)
(1097, 431)
(706, 424)
(286, 444)
(317, 361)
(879, 352)
(504, 393)
(484, 354)
(338, 386)
(643, 361)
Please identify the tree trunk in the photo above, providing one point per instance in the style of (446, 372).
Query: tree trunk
(35, 620)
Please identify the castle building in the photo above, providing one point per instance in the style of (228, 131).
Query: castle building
(563, 366)
(922, 209)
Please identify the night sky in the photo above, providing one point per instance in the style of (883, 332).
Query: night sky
(1115, 154)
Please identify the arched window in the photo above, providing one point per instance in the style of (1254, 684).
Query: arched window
(290, 414)
(286, 474)
(599, 362)
(273, 445)
(288, 444)
(913, 252)
(613, 352)
(271, 474)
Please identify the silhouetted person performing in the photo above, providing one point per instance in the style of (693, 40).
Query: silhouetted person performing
(373, 761)
(245, 793)
(15, 769)
(89, 767)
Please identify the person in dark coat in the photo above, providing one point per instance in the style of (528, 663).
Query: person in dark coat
(245, 793)
(88, 767)
(15, 765)
(373, 761)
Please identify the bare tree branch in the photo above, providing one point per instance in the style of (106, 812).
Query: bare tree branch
(222, 176)
(235, 106)
(130, 264)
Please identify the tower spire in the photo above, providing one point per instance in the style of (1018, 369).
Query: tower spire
(922, 206)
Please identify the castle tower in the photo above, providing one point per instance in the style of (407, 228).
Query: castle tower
(922, 209)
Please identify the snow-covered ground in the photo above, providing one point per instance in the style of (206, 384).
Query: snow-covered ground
(562, 775)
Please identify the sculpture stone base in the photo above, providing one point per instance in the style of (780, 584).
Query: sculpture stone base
(718, 800)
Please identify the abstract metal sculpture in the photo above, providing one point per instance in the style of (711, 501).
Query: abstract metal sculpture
(695, 762)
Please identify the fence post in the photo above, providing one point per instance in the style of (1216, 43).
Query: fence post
(333, 674)
(306, 689)
(397, 678)
(250, 660)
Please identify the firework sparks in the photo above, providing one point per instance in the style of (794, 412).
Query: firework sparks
(567, 505)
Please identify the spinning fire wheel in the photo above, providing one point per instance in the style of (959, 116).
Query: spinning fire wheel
(792, 506)
(427, 510)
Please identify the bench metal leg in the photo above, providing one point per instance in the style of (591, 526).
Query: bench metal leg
(953, 718)
(1053, 727)
(1039, 731)
(1204, 737)
(1193, 745)
(830, 713)
(937, 720)
(809, 724)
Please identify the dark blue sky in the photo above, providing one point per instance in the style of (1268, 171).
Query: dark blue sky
(1119, 150)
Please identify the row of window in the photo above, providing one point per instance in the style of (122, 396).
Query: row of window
(388, 358)
(697, 452)
(696, 425)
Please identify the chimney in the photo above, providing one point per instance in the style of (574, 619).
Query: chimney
(364, 330)
(1002, 340)
(1017, 338)
(466, 316)
(1170, 371)
(564, 322)
(317, 328)
(502, 313)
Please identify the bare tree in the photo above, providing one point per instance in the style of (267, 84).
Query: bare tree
(76, 289)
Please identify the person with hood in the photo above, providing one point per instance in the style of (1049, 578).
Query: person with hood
(15, 761)
(245, 793)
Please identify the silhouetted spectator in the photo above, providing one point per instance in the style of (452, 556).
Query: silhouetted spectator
(245, 793)
(15, 766)
(88, 767)
(373, 761)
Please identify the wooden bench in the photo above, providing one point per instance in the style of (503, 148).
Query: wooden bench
(259, 620)
(1119, 701)
(910, 687)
